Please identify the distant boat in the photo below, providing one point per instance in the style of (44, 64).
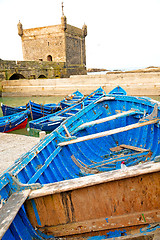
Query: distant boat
(14, 121)
(38, 110)
(96, 176)
(71, 99)
(52, 121)
(8, 110)
(118, 91)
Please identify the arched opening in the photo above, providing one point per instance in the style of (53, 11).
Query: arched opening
(16, 76)
(42, 76)
(49, 58)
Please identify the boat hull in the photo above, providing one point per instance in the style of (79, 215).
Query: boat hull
(20, 126)
(7, 110)
(72, 99)
(52, 121)
(96, 205)
(13, 122)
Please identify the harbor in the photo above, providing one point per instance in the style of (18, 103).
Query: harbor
(79, 120)
(58, 169)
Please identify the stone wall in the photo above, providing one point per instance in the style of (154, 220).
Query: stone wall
(75, 46)
(38, 43)
(10, 70)
(59, 43)
(135, 83)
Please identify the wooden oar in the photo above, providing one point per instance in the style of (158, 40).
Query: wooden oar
(109, 132)
(10, 209)
(107, 119)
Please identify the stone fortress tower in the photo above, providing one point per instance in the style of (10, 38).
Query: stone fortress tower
(57, 43)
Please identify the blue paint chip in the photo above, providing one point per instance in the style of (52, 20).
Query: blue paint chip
(97, 238)
(111, 234)
(106, 220)
(36, 212)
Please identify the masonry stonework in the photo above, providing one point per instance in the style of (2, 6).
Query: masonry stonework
(58, 43)
(56, 51)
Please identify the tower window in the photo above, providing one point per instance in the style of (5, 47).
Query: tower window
(48, 43)
(49, 58)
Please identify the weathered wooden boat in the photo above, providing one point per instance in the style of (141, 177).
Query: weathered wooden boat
(72, 99)
(87, 190)
(39, 110)
(52, 121)
(14, 121)
(8, 110)
(118, 91)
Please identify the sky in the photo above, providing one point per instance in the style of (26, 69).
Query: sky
(122, 34)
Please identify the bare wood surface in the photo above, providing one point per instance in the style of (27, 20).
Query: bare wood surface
(134, 148)
(109, 223)
(95, 179)
(153, 235)
(109, 132)
(124, 203)
(10, 209)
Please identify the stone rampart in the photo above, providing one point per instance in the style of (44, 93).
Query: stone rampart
(135, 83)
(10, 70)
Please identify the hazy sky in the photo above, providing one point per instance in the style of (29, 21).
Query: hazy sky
(122, 34)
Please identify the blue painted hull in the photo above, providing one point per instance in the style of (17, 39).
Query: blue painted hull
(118, 91)
(52, 121)
(72, 99)
(48, 162)
(7, 110)
(40, 110)
(13, 122)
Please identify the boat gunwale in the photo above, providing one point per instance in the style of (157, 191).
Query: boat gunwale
(95, 179)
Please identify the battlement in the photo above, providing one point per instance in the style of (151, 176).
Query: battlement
(41, 31)
(55, 51)
(57, 43)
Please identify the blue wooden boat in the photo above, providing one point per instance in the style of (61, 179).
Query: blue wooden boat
(72, 99)
(118, 91)
(14, 121)
(52, 121)
(8, 110)
(39, 110)
(96, 174)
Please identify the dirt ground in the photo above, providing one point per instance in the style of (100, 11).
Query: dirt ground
(12, 146)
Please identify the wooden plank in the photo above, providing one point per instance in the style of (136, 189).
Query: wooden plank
(66, 130)
(107, 119)
(116, 149)
(108, 223)
(109, 132)
(96, 179)
(70, 113)
(10, 209)
(134, 148)
(125, 203)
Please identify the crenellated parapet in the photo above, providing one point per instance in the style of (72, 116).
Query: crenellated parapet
(56, 43)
